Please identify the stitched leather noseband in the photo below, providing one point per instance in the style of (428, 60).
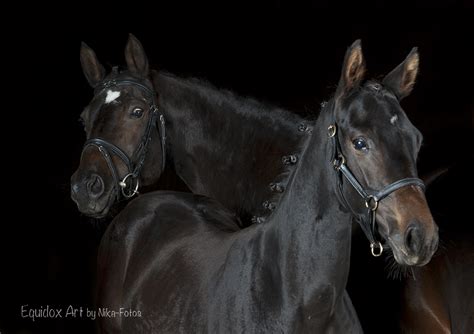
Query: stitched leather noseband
(371, 198)
(129, 184)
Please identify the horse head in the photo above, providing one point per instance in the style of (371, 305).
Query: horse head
(122, 125)
(375, 152)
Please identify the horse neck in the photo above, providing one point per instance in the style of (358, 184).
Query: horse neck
(312, 232)
(223, 146)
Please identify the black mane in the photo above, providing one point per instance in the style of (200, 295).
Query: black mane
(244, 105)
(245, 138)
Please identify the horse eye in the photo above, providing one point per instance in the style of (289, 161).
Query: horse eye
(360, 144)
(137, 112)
(81, 121)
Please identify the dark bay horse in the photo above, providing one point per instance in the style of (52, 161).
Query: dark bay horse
(180, 260)
(439, 297)
(233, 149)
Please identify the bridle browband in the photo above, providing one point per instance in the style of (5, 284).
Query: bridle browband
(108, 149)
(371, 198)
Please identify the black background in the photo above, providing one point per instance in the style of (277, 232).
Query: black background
(48, 248)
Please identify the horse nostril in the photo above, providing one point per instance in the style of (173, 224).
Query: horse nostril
(413, 239)
(95, 186)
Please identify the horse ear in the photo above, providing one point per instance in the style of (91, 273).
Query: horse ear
(91, 67)
(135, 56)
(402, 79)
(353, 69)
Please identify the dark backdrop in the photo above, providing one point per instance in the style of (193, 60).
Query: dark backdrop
(48, 248)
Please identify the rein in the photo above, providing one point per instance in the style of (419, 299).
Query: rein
(371, 198)
(108, 149)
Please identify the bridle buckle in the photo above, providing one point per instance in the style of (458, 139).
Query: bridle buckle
(376, 245)
(337, 163)
(123, 185)
(332, 130)
(371, 203)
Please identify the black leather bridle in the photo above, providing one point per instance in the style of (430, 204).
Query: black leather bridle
(108, 149)
(371, 197)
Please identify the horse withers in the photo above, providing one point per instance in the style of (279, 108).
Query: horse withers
(179, 259)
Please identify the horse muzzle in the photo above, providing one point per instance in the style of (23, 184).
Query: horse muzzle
(91, 195)
(415, 246)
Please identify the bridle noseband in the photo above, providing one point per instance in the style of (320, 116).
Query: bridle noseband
(371, 198)
(108, 149)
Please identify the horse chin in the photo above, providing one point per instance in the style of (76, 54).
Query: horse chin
(98, 215)
(97, 209)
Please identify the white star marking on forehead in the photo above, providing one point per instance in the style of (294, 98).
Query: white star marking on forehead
(111, 96)
(393, 119)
